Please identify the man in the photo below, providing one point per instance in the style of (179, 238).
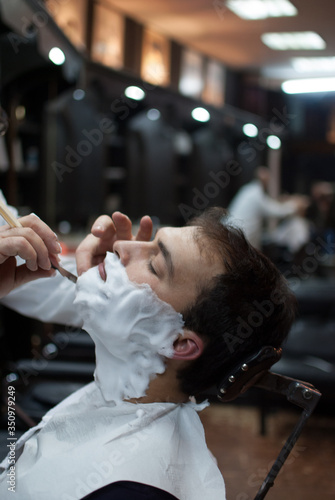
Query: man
(252, 207)
(232, 301)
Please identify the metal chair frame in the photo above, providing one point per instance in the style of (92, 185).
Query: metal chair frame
(254, 371)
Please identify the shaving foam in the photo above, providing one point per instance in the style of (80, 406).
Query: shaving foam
(133, 330)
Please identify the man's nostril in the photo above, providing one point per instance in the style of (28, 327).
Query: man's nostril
(117, 254)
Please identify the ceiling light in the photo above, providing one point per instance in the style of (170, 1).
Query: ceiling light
(309, 85)
(261, 9)
(20, 112)
(153, 114)
(78, 94)
(135, 93)
(303, 40)
(273, 142)
(314, 64)
(200, 114)
(57, 56)
(250, 130)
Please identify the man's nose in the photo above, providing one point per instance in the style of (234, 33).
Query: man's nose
(129, 250)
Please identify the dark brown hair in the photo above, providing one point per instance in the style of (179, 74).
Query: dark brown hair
(246, 307)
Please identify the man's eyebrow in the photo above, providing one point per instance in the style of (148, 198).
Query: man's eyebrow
(167, 257)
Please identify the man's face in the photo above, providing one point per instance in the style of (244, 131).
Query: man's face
(172, 265)
(135, 327)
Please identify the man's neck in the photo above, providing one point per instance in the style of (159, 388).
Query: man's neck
(163, 388)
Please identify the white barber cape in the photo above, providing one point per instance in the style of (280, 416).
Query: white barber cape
(85, 443)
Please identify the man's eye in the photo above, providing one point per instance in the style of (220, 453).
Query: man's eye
(151, 268)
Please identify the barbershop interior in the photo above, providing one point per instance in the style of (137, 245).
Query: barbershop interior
(165, 109)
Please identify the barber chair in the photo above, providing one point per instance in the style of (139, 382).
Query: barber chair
(309, 351)
(254, 371)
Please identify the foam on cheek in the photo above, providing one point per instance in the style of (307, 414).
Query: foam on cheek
(131, 327)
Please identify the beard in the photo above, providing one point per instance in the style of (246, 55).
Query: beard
(133, 330)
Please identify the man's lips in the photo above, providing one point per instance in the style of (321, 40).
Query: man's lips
(102, 271)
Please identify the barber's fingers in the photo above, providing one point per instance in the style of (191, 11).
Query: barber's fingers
(90, 252)
(120, 228)
(145, 229)
(104, 228)
(104, 233)
(17, 244)
(40, 237)
(123, 226)
(27, 244)
(44, 231)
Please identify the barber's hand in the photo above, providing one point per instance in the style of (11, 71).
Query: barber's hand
(301, 202)
(104, 233)
(35, 242)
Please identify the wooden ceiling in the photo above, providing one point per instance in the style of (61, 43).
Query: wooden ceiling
(209, 27)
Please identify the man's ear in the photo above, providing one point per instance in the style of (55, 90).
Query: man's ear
(188, 346)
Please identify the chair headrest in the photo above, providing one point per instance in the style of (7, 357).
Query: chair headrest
(247, 373)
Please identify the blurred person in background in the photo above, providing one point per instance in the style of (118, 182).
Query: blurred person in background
(252, 207)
